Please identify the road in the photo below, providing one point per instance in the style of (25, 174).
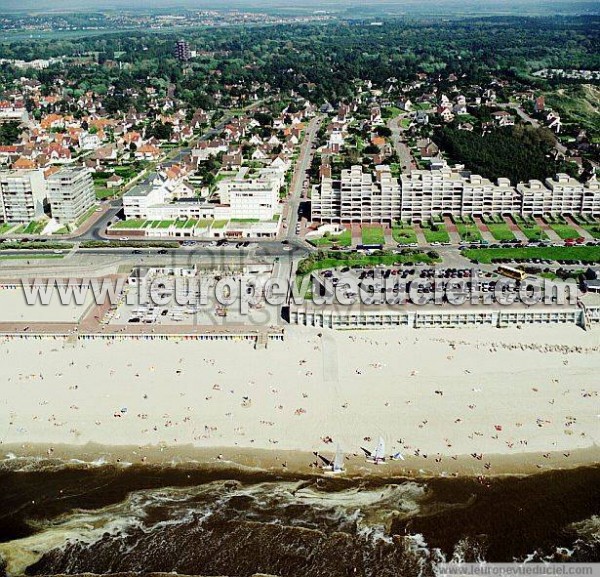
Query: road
(296, 186)
(526, 118)
(400, 147)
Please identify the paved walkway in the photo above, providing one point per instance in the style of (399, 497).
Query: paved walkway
(582, 232)
(356, 234)
(420, 236)
(452, 231)
(519, 234)
(387, 233)
(549, 232)
(484, 230)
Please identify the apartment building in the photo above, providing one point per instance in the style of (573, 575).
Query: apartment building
(70, 193)
(241, 198)
(182, 51)
(255, 198)
(423, 194)
(22, 195)
(427, 193)
(560, 195)
(357, 197)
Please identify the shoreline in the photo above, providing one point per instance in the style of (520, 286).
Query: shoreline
(33, 457)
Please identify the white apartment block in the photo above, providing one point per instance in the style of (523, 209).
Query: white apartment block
(427, 193)
(139, 199)
(71, 194)
(423, 194)
(241, 199)
(358, 197)
(253, 199)
(22, 195)
(560, 195)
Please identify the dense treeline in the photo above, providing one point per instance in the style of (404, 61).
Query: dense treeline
(520, 153)
(319, 61)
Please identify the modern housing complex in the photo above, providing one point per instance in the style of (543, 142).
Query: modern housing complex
(423, 194)
(242, 197)
(245, 205)
(22, 195)
(71, 194)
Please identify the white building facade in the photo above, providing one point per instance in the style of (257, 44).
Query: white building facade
(71, 194)
(22, 195)
(425, 194)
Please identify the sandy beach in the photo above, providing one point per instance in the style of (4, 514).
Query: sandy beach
(439, 397)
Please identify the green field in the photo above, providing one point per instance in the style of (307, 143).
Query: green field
(404, 234)
(564, 231)
(583, 253)
(102, 192)
(84, 217)
(372, 235)
(30, 256)
(159, 224)
(500, 231)
(5, 227)
(436, 234)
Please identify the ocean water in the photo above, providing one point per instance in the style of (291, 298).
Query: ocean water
(78, 517)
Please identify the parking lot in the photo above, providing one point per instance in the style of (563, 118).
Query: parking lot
(161, 299)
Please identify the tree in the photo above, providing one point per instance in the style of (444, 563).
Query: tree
(383, 131)
(9, 133)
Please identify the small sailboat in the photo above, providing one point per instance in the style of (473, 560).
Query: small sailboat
(334, 467)
(376, 457)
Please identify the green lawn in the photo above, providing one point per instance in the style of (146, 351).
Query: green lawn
(330, 260)
(219, 224)
(344, 239)
(593, 229)
(190, 223)
(5, 227)
(437, 233)
(468, 231)
(404, 234)
(84, 217)
(531, 230)
(29, 256)
(500, 231)
(564, 231)
(583, 253)
(102, 192)
(372, 235)
(132, 223)
(34, 227)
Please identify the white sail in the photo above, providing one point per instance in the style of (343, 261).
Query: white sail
(338, 461)
(379, 454)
